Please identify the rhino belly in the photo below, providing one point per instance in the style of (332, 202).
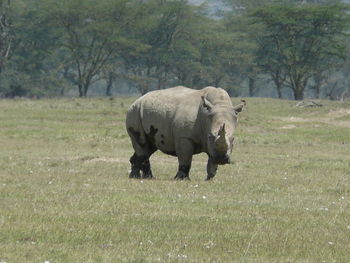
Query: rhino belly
(165, 119)
(159, 132)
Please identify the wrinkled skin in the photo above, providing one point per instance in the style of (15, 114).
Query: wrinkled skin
(182, 122)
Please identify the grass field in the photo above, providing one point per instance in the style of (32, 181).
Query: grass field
(65, 195)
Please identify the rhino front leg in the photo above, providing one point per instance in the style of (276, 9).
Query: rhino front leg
(211, 169)
(183, 172)
(184, 152)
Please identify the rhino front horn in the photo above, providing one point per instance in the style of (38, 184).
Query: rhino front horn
(221, 143)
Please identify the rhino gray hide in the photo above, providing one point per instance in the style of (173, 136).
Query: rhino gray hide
(182, 122)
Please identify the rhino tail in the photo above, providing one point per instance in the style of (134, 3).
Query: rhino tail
(135, 130)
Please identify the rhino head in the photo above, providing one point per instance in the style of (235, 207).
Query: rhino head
(220, 124)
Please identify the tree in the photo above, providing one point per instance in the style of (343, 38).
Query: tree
(243, 66)
(93, 34)
(298, 42)
(29, 69)
(167, 30)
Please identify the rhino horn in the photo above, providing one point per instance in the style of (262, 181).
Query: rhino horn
(221, 139)
(222, 131)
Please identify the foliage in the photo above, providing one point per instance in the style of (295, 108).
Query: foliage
(5, 32)
(93, 34)
(298, 42)
(28, 70)
(49, 47)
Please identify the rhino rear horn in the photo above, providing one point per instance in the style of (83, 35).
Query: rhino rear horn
(206, 103)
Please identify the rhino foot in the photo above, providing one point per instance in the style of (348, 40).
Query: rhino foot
(140, 167)
(183, 172)
(182, 177)
(147, 175)
(146, 169)
(209, 177)
(135, 173)
(211, 169)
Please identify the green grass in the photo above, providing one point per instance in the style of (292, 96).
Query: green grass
(65, 195)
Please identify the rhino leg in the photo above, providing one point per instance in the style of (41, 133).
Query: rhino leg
(146, 169)
(211, 169)
(184, 152)
(183, 172)
(135, 166)
(140, 163)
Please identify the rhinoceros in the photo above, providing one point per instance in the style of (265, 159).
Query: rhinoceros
(182, 122)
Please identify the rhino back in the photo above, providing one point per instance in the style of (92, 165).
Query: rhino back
(165, 116)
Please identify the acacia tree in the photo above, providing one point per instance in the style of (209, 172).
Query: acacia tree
(298, 42)
(30, 69)
(167, 30)
(92, 34)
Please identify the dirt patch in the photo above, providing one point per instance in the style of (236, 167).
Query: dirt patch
(333, 115)
(107, 160)
(339, 113)
(329, 119)
(345, 124)
(288, 127)
(295, 119)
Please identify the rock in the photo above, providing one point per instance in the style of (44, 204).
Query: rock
(308, 104)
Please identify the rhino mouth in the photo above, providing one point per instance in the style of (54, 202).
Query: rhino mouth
(221, 158)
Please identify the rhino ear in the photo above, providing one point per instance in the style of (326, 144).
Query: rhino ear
(240, 107)
(206, 103)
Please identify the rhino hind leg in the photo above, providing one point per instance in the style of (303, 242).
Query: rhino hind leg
(140, 165)
(144, 148)
(135, 167)
(146, 169)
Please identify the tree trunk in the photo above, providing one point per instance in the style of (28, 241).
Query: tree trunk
(299, 91)
(298, 95)
(318, 84)
(298, 86)
(109, 84)
(252, 86)
(86, 87)
(279, 90)
(81, 91)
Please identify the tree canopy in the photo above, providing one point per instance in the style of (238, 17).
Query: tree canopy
(297, 43)
(51, 48)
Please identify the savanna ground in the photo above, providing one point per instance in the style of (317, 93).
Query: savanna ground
(65, 195)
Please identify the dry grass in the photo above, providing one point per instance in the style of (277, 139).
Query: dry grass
(65, 195)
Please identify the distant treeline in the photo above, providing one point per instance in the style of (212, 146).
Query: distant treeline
(293, 48)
